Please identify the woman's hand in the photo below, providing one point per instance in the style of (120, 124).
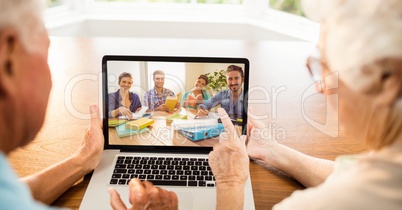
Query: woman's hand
(261, 145)
(230, 165)
(229, 160)
(125, 112)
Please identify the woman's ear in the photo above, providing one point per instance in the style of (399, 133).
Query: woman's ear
(390, 83)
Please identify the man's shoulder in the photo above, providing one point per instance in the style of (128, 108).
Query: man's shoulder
(149, 92)
(11, 187)
(223, 93)
(168, 91)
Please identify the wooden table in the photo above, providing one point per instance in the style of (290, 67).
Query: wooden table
(278, 80)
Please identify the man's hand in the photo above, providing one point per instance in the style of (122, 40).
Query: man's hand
(229, 160)
(144, 195)
(162, 107)
(92, 146)
(177, 106)
(202, 112)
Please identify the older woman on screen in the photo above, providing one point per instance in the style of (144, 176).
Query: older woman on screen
(123, 102)
(361, 56)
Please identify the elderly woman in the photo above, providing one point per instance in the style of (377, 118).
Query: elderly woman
(362, 42)
(198, 94)
(123, 102)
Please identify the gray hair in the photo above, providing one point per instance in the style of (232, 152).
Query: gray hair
(23, 16)
(358, 33)
(363, 42)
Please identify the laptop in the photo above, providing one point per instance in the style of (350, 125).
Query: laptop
(164, 147)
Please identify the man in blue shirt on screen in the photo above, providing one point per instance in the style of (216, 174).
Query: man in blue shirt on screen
(231, 99)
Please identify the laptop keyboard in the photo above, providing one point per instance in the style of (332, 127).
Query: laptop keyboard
(171, 171)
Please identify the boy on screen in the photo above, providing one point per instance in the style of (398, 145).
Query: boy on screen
(155, 98)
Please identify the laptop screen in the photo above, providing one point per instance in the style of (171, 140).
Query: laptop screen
(158, 102)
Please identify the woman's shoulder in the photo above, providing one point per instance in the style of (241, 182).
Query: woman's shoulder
(187, 93)
(113, 95)
(134, 95)
(371, 183)
(206, 94)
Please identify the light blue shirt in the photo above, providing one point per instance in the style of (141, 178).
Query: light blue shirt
(13, 193)
(224, 98)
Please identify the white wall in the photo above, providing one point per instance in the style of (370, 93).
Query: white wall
(175, 74)
(115, 68)
(179, 77)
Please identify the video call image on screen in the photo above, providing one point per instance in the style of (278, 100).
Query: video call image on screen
(172, 103)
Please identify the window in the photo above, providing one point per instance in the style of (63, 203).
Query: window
(280, 16)
(290, 6)
(179, 1)
(220, 1)
(148, 1)
(54, 3)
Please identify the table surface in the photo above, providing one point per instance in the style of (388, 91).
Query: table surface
(279, 94)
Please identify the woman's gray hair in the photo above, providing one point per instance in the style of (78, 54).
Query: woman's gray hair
(362, 40)
(25, 16)
(358, 33)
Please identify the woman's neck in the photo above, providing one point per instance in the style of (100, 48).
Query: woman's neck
(385, 127)
(197, 92)
(123, 92)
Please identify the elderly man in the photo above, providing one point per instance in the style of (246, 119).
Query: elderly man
(25, 84)
(361, 41)
(24, 90)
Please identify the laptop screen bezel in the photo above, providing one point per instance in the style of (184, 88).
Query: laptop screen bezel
(167, 149)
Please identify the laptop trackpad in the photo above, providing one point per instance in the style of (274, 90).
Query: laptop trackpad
(185, 200)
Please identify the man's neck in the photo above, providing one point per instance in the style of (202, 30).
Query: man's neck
(4, 147)
(159, 90)
(236, 95)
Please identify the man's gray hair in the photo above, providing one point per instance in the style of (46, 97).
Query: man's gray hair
(23, 16)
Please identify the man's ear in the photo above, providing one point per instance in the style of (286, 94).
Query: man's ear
(8, 42)
(391, 83)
